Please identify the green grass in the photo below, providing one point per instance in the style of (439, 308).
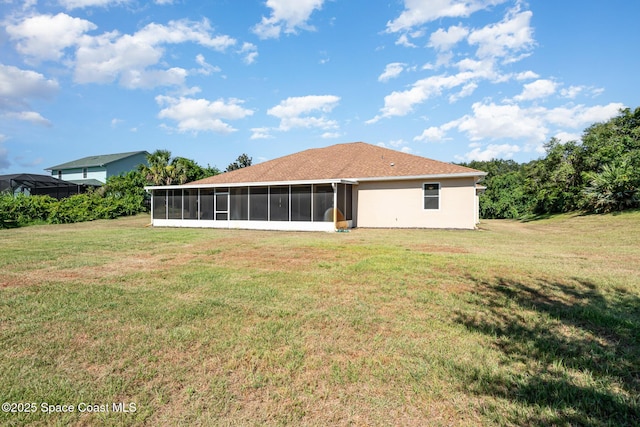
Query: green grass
(533, 323)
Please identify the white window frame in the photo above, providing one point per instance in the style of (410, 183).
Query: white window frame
(424, 196)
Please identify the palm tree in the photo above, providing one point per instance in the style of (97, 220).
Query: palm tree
(159, 170)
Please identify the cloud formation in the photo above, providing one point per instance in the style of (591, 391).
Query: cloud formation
(391, 71)
(419, 12)
(294, 112)
(287, 16)
(201, 115)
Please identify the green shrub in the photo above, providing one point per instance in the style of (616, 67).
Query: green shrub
(20, 210)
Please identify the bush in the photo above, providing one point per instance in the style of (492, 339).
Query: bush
(121, 196)
(20, 210)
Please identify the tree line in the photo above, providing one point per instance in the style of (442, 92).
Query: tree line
(120, 196)
(600, 174)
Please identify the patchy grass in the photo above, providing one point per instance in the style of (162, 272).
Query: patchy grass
(532, 323)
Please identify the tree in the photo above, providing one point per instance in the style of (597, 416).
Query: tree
(615, 188)
(612, 163)
(241, 162)
(554, 183)
(157, 172)
(163, 170)
(504, 196)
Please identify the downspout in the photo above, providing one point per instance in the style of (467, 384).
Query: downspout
(335, 205)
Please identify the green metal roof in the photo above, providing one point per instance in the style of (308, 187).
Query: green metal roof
(102, 160)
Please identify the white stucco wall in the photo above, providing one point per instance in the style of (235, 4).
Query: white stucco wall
(401, 204)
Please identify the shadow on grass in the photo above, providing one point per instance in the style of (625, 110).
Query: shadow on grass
(571, 355)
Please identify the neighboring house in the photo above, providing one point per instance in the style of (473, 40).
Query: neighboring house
(94, 170)
(32, 184)
(369, 185)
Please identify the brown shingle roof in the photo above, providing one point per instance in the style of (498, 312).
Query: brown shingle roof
(342, 161)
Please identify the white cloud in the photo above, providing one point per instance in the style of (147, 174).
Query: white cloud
(396, 144)
(401, 103)
(205, 68)
(29, 116)
(135, 60)
(250, 52)
(579, 116)
(287, 16)
(446, 39)
(531, 125)
(572, 91)
(111, 56)
(502, 121)
(44, 37)
(527, 75)
(467, 90)
(567, 136)
(403, 40)
(261, 133)
(492, 151)
(331, 135)
(505, 38)
(17, 86)
(538, 89)
(80, 4)
(391, 71)
(431, 134)
(418, 12)
(292, 112)
(194, 115)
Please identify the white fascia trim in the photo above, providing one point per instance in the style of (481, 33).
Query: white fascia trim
(422, 177)
(353, 181)
(252, 184)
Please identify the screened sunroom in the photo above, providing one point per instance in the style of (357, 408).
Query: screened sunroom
(323, 206)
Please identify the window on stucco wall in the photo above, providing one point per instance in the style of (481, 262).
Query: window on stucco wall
(431, 192)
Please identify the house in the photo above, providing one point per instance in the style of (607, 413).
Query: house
(33, 184)
(94, 170)
(344, 185)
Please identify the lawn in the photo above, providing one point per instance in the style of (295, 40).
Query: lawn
(533, 323)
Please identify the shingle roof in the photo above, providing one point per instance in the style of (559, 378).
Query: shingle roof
(355, 160)
(101, 160)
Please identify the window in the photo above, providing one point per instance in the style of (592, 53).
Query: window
(59, 174)
(431, 195)
(84, 172)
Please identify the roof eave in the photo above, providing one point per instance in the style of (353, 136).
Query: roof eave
(353, 181)
(254, 184)
(428, 176)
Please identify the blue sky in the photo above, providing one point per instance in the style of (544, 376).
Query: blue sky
(453, 80)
